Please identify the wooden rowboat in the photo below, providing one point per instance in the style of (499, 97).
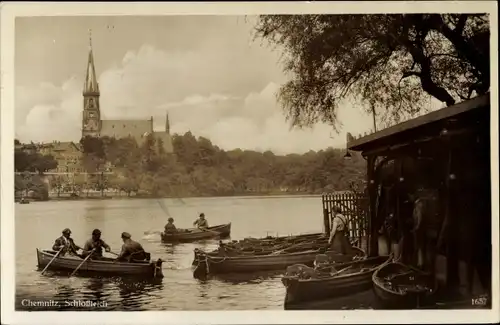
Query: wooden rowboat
(207, 264)
(194, 234)
(341, 280)
(104, 266)
(254, 248)
(397, 286)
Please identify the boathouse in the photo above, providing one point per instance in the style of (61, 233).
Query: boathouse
(445, 152)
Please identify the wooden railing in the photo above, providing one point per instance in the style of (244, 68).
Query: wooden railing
(354, 206)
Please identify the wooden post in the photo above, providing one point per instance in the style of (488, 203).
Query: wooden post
(372, 220)
(326, 221)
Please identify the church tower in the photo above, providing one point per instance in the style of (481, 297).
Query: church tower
(91, 119)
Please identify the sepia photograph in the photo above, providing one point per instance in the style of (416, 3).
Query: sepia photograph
(251, 160)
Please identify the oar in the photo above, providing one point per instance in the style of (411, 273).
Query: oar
(53, 258)
(208, 230)
(86, 258)
(113, 253)
(340, 271)
(284, 249)
(163, 207)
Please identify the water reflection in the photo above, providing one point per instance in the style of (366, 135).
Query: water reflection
(64, 292)
(137, 294)
(96, 289)
(169, 248)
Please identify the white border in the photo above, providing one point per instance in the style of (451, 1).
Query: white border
(11, 10)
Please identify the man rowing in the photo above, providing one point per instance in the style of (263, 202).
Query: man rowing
(170, 227)
(66, 244)
(96, 244)
(131, 250)
(201, 222)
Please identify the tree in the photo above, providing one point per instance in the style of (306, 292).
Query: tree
(388, 63)
(43, 163)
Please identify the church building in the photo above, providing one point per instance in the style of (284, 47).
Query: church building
(94, 125)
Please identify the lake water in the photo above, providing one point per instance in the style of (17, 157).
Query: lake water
(38, 224)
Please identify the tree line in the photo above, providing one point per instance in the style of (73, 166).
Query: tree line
(199, 168)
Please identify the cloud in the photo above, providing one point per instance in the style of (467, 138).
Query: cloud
(209, 93)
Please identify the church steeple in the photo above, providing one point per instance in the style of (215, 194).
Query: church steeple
(167, 125)
(91, 86)
(91, 118)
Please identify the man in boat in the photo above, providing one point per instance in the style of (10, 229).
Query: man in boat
(66, 244)
(170, 227)
(95, 243)
(338, 240)
(131, 250)
(201, 222)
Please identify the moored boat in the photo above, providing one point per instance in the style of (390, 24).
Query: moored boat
(265, 247)
(210, 264)
(104, 266)
(397, 286)
(24, 201)
(333, 281)
(194, 234)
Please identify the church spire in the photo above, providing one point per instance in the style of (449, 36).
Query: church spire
(167, 125)
(91, 85)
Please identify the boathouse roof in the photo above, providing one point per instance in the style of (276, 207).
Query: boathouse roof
(425, 125)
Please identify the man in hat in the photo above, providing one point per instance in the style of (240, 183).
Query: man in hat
(131, 250)
(170, 227)
(95, 243)
(201, 222)
(338, 240)
(66, 244)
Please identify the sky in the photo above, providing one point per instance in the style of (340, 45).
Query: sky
(208, 72)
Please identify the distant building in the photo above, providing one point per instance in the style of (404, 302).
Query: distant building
(67, 154)
(94, 125)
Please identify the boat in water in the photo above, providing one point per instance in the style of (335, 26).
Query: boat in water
(304, 284)
(278, 260)
(397, 286)
(194, 234)
(24, 201)
(104, 266)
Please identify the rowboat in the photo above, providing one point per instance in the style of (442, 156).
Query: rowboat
(330, 282)
(264, 247)
(397, 285)
(104, 266)
(270, 239)
(211, 264)
(194, 234)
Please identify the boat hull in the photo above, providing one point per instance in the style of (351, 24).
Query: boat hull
(220, 231)
(104, 267)
(388, 298)
(207, 264)
(302, 290)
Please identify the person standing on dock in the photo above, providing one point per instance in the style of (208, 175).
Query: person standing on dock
(201, 222)
(95, 243)
(66, 244)
(170, 227)
(338, 238)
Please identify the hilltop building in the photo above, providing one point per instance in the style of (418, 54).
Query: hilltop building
(94, 125)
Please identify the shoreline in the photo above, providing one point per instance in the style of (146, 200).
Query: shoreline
(137, 197)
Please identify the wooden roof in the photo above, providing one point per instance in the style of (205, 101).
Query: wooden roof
(372, 140)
